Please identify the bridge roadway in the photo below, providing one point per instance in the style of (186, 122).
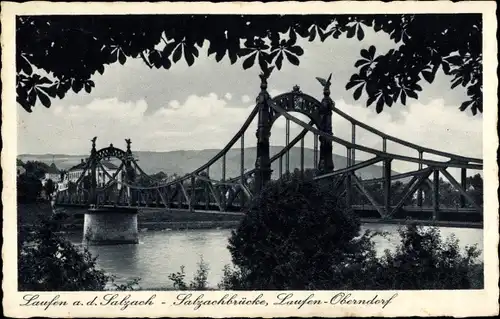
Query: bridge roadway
(367, 213)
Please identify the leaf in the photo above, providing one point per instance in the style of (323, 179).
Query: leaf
(352, 84)
(446, 68)
(49, 90)
(351, 31)
(380, 105)
(474, 109)
(312, 34)
(263, 60)
(26, 65)
(456, 59)
(154, 57)
(275, 39)
(87, 88)
(388, 100)
(361, 33)
(220, 54)
(323, 35)
(77, 86)
(403, 97)
(248, 63)
(464, 105)
(428, 76)
(121, 57)
(357, 92)
(61, 92)
(165, 63)
(100, 69)
(372, 51)
(188, 55)
(411, 94)
(292, 58)
(245, 51)
(293, 37)
(456, 83)
(370, 100)
(43, 98)
(361, 62)
(177, 53)
(279, 60)
(365, 54)
(169, 47)
(296, 50)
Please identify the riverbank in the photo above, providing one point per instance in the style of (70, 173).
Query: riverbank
(29, 214)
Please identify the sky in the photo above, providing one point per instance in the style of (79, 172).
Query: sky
(203, 106)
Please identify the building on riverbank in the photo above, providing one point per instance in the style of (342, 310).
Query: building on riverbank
(102, 174)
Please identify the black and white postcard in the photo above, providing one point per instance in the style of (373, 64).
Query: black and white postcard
(249, 160)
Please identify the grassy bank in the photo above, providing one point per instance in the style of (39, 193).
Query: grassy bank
(147, 219)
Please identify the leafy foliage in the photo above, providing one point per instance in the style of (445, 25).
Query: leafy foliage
(199, 282)
(28, 188)
(424, 261)
(275, 248)
(86, 44)
(36, 168)
(48, 262)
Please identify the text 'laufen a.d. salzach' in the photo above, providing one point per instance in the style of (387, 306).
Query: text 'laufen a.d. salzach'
(196, 301)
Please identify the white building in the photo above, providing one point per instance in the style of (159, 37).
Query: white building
(53, 173)
(102, 178)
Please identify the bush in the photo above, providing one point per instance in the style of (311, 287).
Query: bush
(296, 234)
(29, 188)
(199, 282)
(423, 260)
(48, 262)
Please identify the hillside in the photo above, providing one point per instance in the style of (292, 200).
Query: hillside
(182, 162)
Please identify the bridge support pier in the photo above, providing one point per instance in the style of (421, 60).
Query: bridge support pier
(110, 226)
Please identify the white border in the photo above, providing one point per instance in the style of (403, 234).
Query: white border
(414, 303)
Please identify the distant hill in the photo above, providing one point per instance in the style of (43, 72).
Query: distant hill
(182, 162)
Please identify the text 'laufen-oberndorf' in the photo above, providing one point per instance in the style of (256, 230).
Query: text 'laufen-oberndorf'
(197, 301)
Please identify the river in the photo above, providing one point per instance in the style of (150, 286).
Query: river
(160, 253)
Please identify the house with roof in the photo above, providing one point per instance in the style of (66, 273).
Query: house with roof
(103, 174)
(53, 173)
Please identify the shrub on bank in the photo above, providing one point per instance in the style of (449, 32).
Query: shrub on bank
(199, 282)
(422, 260)
(297, 235)
(49, 262)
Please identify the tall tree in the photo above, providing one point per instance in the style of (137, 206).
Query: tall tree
(71, 49)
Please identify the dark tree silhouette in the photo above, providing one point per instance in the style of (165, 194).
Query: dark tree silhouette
(71, 49)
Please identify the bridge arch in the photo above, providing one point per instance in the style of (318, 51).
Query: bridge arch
(111, 151)
(299, 102)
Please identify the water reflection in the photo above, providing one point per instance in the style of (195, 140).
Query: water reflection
(160, 253)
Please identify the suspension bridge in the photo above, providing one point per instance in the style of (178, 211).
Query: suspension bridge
(129, 187)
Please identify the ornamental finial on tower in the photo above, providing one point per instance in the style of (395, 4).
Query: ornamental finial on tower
(326, 84)
(128, 141)
(296, 89)
(93, 142)
(266, 72)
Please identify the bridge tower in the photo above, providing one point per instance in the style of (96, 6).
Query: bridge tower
(109, 225)
(130, 172)
(325, 164)
(262, 162)
(93, 177)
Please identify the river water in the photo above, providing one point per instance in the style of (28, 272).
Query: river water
(160, 253)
